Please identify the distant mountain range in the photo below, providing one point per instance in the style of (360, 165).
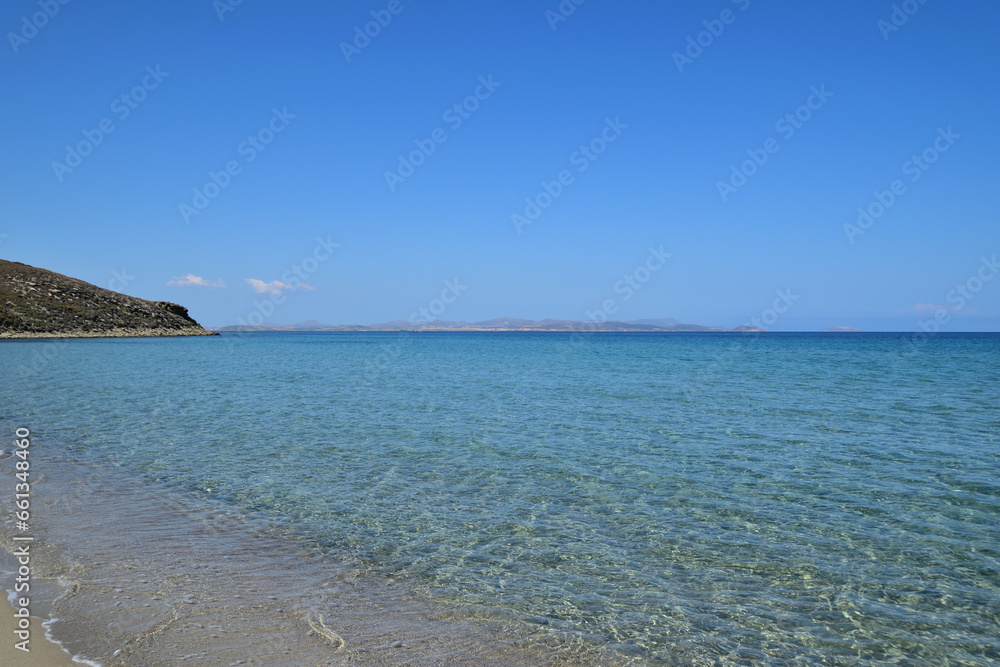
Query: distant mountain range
(497, 324)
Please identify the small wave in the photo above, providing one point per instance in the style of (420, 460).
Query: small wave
(76, 658)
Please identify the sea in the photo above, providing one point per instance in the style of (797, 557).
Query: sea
(486, 498)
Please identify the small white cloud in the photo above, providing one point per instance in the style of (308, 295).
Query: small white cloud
(191, 280)
(275, 287)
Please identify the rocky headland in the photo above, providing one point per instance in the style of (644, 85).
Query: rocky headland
(37, 303)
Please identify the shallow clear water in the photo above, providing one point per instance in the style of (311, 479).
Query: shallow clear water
(706, 499)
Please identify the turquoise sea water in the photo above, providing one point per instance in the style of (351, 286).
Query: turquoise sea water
(682, 499)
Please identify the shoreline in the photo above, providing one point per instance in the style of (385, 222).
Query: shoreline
(195, 580)
(43, 651)
(112, 333)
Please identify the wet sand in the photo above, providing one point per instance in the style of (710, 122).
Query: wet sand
(42, 652)
(150, 578)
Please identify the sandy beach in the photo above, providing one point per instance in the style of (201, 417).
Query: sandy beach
(42, 652)
(189, 582)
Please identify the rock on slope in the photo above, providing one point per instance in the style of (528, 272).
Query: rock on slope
(36, 303)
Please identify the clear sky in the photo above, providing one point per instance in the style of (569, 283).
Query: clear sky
(737, 137)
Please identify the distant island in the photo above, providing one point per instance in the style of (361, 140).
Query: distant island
(37, 303)
(498, 324)
(841, 330)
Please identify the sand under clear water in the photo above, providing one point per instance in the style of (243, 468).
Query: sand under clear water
(517, 499)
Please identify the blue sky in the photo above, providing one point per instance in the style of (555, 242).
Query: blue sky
(641, 137)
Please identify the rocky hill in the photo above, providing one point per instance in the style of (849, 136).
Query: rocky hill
(36, 303)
